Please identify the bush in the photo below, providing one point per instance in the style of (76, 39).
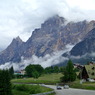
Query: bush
(35, 90)
(29, 89)
(22, 87)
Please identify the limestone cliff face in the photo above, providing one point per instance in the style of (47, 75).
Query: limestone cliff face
(85, 46)
(54, 35)
(84, 51)
(11, 53)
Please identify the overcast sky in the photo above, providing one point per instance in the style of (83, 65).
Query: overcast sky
(21, 17)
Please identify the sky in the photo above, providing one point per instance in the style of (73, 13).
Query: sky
(21, 17)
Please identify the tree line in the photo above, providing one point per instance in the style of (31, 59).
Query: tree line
(69, 72)
(37, 70)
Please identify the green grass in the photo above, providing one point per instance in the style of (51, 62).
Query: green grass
(86, 85)
(46, 79)
(55, 78)
(15, 92)
(22, 89)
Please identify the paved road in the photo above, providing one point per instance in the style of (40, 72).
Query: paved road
(72, 91)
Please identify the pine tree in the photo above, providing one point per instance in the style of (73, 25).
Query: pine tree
(69, 73)
(56, 69)
(5, 84)
(11, 71)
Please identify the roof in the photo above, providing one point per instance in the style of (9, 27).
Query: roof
(18, 74)
(90, 70)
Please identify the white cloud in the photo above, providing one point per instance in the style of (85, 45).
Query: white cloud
(47, 60)
(21, 17)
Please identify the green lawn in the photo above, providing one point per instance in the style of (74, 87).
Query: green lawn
(55, 78)
(47, 79)
(22, 89)
(86, 85)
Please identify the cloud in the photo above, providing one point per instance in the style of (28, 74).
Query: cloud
(47, 60)
(21, 17)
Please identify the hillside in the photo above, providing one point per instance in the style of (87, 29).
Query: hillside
(85, 46)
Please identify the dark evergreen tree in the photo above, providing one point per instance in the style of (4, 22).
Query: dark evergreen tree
(5, 84)
(11, 71)
(56, 69)
(29, 70)
(69, 73)
(62, 69)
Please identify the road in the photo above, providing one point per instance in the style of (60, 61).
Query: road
(72, 91)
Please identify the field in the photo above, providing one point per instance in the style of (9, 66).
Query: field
(86, 85)
(46, 79)
(55, 78)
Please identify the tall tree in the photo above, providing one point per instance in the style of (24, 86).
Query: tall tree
(56, 69)
(35, 74)
(69, 73)
(31, 70)
(5, 84)
(11, 71)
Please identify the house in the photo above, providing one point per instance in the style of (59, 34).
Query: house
(88, 71)
(78, 66)
(22, 72)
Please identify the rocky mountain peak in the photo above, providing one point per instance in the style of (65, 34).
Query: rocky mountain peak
(18, 39)
(54, 21)
(16, 42)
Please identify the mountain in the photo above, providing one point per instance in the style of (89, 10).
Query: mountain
(84, 51)
(85, 46)
(54, 34)
(11, 53)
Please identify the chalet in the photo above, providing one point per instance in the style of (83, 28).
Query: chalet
(78, 66)
(88, 71)
(23, 72)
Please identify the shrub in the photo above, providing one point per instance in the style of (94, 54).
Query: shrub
(22, 87)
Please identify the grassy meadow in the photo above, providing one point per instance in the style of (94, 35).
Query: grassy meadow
(46, 79)
(55, 78)
(85, 85)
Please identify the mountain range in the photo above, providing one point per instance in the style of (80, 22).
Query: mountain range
(55, 33)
